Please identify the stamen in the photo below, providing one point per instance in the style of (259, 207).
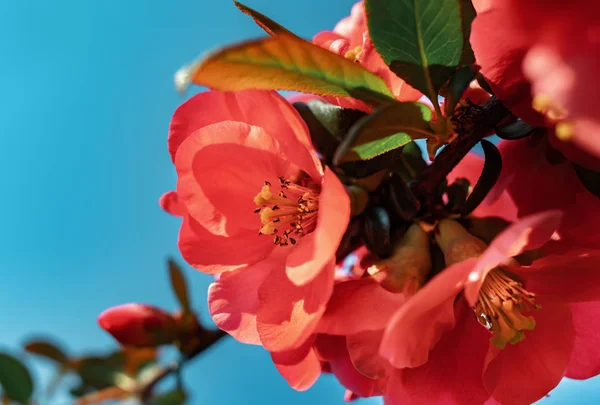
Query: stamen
(291, 212)
(500, 306)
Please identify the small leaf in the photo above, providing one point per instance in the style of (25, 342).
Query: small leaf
(484, 84)
(387, 128)
(270, 26)
(515, 130)
(179, 286)
(15, 379)
(457, 194)
(176, 397)
(411, 161)
(589, 178)
(48, 350)
(99, 372)
(327, 124)
(457, 85)
(376, 228)
(286, 62)
(487, 179)
(421, 41)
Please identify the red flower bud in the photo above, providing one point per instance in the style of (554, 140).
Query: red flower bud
(138, 325)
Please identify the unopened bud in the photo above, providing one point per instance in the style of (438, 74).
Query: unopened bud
(139, 325)
(405, 271)
(456, 243)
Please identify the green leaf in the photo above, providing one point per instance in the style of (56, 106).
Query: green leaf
(456, 86)
(514, 130)
(176, 397)
(48, 350)
(387, 128)
(270, 26)
(421, 41)
(489, 175)
(179, 286)
(98, 372)
(286, 62)
(589, 178)
(15, 379)
(327, 124)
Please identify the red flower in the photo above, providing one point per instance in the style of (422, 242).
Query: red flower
(139, 325)
(258, 210)
(539, 58)
(406, 345)
(350, 39)
(539, 179)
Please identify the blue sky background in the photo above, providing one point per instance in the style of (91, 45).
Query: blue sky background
(86, 95)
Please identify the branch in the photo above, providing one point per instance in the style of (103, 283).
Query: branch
(204, 340)
(472, 123)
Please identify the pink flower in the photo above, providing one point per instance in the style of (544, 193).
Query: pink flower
(539, 58)
(350, 39)
(258, 210)
(532, 168)
(407, 345)
(139, 325)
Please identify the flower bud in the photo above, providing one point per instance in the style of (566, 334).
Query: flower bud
(456, 243)
(405, 271)
(139, 325)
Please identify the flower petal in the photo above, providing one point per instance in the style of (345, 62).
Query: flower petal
(452, 376)
(212, 253)
(288, 314)
(420, 323)
(359, 305)
(216, 185)
(500, 50)
(300, 367)
(317, 248)
(573, 277)
(265, 109)
(363, 349)
(540, 359)
(170, 202)
(528, 233)
(585, 359)
(233, 299)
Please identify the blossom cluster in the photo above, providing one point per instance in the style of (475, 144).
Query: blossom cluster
(355, 266)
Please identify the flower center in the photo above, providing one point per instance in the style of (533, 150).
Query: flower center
(289, 214)
(354, 53)
(500, 307)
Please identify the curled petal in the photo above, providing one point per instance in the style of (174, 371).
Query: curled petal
(541, 358)
(454, 368)
(528, 233)
(282, 122)
(233, 300)
(170, 202)
(300, 367)
(585, 359)
(317, 248)
(363, 349)
(359, 305)
(214, 254)
(420, 323)
(217, 189)
(288, 314)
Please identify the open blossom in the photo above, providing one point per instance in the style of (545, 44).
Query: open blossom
(512, 324)
(260, 212)
(533, 168)
(350, 39)
(539, 58)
